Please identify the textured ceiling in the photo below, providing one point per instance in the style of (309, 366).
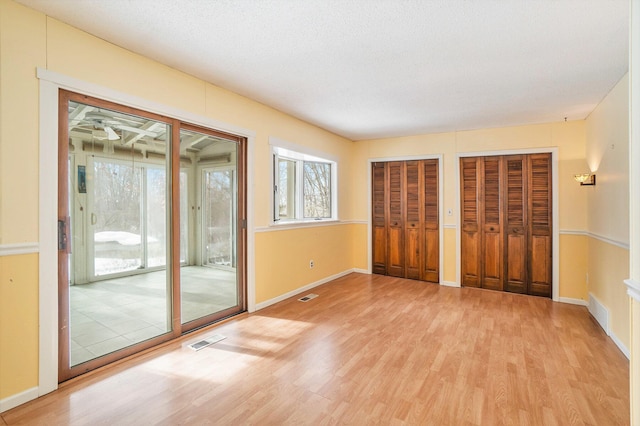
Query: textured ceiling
(380, 68)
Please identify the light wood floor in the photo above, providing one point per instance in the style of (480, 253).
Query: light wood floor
(369, 350)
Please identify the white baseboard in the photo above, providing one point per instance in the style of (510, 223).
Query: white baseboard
(18, 399)
(599, 312)
(299, 290)
(361, 271)
(601, 315)
(450, 284)
(572, 301)
(620, 345)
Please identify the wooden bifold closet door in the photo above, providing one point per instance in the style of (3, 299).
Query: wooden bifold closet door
(405, 222)
(506, 223)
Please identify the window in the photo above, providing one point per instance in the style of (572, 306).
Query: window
(126, 201)
(304, 187)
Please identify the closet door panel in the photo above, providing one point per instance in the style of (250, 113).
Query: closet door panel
(470, 235)
(432, 259)
(540, 224)
(516, 268)
(379, 250)
(492, 236)
(506, 235)
(413, 233)
(395, 225)
(405, 219)
(516, 220)
(412, 253)
(378, 222)
(431, 220)
(540, 267)
(492, 261)
(395, 253)
(470, 259)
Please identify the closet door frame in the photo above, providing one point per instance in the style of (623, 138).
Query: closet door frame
(441, 216)
(555, 213)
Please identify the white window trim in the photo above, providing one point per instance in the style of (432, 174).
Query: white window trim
(292, 151)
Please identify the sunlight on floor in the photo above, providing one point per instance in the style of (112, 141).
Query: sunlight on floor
(247, 342)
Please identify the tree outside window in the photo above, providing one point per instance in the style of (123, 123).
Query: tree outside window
(317, 189)
(304, 187)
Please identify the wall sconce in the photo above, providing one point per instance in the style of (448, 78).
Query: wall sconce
(585, 179)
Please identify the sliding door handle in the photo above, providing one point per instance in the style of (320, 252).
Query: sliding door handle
(62, 235)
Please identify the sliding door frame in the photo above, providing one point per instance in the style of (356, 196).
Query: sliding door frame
(174, 302)
(65, 370)
(241, 225)
(50, 83)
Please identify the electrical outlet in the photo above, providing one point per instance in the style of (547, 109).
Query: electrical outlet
(311, 264)
(450, 212)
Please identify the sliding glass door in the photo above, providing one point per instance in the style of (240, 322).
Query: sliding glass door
(117, 294)
(210, 283)
(150, 243)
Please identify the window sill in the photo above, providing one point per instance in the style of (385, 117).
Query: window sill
(291, 224)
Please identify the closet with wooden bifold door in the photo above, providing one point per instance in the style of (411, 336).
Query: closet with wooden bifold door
(506, 223)
(405, 220)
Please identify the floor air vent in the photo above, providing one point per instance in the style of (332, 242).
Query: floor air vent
(308, 297)
(206, 342)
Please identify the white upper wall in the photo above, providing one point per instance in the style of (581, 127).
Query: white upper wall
(607, 154)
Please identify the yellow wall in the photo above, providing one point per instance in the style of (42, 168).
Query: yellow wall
(567, 137)
(330, 248)
(29, 40)
(574, 250)
(18, 323)
(608, 268)
(449, 261)
(359, 253)
(607, 152)
(22, 46)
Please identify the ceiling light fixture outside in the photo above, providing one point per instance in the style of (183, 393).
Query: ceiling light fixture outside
(111, 134)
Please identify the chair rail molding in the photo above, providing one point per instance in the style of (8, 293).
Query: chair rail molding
(633, 288)
(19, 248)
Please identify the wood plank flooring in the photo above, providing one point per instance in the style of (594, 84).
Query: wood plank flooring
(369, 350)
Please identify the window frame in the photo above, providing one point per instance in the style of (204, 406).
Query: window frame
(292, 152)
